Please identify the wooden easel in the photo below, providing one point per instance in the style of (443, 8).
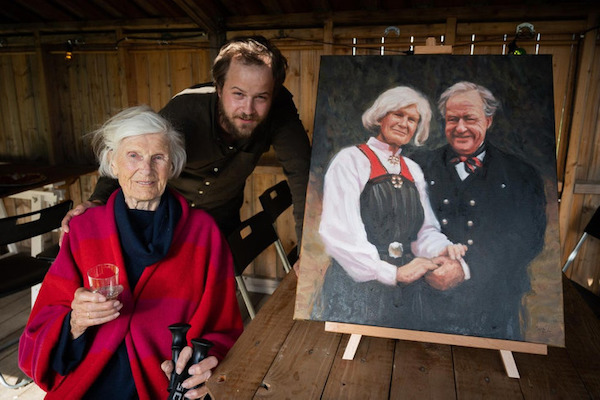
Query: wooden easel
(506, 347)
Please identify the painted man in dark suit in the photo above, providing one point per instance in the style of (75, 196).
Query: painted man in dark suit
(495, 204)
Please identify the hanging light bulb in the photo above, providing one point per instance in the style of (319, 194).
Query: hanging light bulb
(69, 52)
(514, 49)
(523, 31)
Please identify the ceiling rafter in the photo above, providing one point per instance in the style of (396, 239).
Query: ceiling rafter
(196, 14)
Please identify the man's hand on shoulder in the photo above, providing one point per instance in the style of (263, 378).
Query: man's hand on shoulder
(78, 210)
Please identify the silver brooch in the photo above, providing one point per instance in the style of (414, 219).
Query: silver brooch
(394, 160)
(397, 181)
(395, 250)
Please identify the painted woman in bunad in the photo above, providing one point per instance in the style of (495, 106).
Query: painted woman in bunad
(378, 226)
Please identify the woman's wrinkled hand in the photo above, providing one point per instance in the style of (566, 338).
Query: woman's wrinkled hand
(90, 309)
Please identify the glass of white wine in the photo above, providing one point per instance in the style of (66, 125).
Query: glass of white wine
(104, 279)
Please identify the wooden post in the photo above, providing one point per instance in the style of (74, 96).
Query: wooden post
(571, 205)
(328, 36)
(46, 103)
(128, 89)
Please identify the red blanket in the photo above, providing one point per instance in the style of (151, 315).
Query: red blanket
(194, 283)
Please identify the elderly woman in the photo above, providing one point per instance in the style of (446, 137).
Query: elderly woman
(176, 267)
(377, 223)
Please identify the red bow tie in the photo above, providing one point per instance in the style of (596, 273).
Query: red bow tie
(471, 163)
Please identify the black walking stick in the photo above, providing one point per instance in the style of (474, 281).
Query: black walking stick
(178, 332)
(200, 351)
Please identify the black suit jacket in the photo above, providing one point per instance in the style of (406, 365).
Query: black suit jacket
(499, 213)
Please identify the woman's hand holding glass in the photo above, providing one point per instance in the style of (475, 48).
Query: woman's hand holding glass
(199, 372)
(90, 309)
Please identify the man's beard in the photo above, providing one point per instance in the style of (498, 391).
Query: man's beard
(229, 126)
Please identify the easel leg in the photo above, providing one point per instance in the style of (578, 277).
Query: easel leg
(351, 347)
(509, 364)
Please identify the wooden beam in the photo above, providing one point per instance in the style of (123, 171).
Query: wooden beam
(197, 15)
(582, 187)
(413, 16)
(158, 24)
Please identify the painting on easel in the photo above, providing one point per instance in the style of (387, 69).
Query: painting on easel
(432, 201)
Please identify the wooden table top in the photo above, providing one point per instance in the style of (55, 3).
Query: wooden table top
(48, 174)
(277, 357)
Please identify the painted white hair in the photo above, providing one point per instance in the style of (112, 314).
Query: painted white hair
(394, 99)
(490, 104)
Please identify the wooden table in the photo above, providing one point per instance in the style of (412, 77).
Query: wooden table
(279, 358)
(48, 175)
(52, 174)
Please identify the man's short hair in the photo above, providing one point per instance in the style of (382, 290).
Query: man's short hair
(490, 104)
(250, 50)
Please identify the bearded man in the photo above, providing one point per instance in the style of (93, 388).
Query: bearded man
(228, 124)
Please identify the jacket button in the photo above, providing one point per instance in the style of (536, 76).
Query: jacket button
(470, 242)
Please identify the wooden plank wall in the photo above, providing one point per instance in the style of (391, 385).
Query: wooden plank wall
(110, 70)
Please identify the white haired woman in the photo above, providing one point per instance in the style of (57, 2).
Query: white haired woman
(377, 223)
(176, 268)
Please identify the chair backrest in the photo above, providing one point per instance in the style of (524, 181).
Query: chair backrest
(250, 239)
(276, 199)
(14, 229)
(593, 227)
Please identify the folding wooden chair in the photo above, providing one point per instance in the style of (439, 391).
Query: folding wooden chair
(275, 200)
(19, 269)
(250, 239)
(591, 229)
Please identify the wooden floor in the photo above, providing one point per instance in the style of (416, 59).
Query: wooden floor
(14, 311)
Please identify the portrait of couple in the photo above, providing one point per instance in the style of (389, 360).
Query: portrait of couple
(431, 203)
